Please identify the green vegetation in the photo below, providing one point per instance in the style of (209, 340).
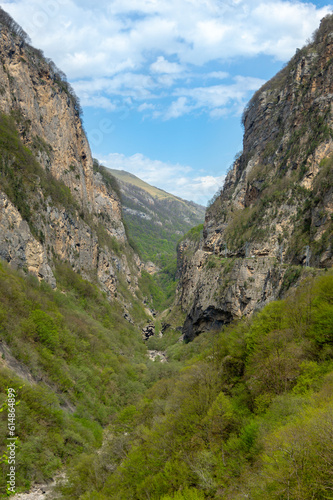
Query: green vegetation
(84, 363)
(195, 233)
(290, 277)
(249, 415)
(106, 240)
(151, 240)
(256, 221)
(154, 221)
(109, 180)
(245, 412)
(158, 290)
(166, 216)
(312, 215)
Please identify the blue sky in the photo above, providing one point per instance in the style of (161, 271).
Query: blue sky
(163, 83)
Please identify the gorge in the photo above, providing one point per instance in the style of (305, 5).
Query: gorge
(228, 394)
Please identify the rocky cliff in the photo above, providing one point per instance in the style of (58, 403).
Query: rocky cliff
(53, 205)
(274, 215)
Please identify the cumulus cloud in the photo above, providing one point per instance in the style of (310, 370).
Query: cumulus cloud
(97, 102)
(145, 49)
(161, 65)
(177, 108)
(180, 180)
(164, 59)
(145, 106)
(217, 100)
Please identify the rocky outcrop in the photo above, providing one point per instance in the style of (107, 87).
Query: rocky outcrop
(87, 232)
(276, 207)
(18, 246)
(148, 331)
(214, 289)
(157, 356)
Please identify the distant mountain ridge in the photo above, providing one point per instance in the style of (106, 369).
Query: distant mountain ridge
(155, 219)
(129, 178)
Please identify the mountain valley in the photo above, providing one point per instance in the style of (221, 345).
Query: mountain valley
(153, 356)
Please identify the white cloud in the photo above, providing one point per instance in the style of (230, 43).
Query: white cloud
(178, 108)
(161, 65)
(218, 100)
(212, 32)
(97, 102)
(145, 106)
(135, 85)
(160, 57)
(218, 75)
(120, 31)
(177, 179)
(221, 112)
(159, 50)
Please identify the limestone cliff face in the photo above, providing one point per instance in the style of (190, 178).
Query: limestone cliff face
(49, 120)
(276, 207)
(89, 234)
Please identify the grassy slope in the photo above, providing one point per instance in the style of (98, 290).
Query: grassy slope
(128, 178)
(250, 415)
(86, 361)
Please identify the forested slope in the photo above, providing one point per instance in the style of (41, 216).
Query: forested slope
(248, 416)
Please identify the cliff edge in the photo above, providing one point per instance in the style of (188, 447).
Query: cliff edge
(273, 218)
(55, 203)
